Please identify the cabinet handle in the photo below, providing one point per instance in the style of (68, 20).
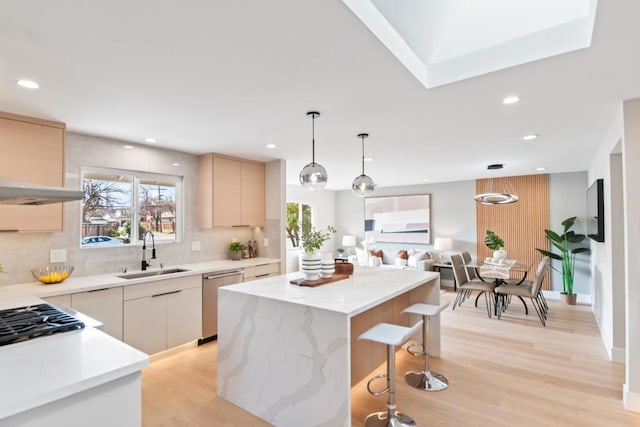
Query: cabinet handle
(166, 293)
(98, 290)
(263, 275)
(218, 276)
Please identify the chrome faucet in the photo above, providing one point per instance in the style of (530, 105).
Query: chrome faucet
(145, 263)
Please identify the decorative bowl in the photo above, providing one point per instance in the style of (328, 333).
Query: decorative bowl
(52, 273)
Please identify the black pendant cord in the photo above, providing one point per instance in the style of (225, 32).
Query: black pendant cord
(313, 139)
(362, 154)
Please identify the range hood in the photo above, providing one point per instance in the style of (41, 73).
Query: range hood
(14, 192)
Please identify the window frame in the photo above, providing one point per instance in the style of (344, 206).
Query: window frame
(136, 178)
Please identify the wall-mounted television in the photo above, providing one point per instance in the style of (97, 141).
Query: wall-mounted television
(595, 211)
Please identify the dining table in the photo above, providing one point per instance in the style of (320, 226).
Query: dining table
(500, 274)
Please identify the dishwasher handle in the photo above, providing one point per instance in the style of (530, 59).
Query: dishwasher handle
(214, 276)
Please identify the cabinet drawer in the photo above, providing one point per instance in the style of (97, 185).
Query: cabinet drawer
(59, 300)
(158, 287)
(260, 271)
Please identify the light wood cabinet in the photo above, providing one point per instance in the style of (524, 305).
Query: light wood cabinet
(163, 314)
(261, 271)
(231, 192)
(33, 151)
(104, 305)
(59, 300)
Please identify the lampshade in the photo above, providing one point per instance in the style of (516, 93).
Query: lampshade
(313, 176)
(363, 185)
(500, 192)
(348, 240)
(442, 244)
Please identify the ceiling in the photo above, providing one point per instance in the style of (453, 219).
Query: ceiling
(233, 76)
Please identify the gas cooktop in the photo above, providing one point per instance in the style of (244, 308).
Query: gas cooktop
(32, 321)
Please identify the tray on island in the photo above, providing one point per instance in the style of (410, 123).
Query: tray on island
(323, 281)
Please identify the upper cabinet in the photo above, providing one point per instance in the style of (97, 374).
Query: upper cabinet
(231, 192)
(33, 151)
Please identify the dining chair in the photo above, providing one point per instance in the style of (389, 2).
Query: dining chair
(531, 290)
(471, 271)
(466, 286)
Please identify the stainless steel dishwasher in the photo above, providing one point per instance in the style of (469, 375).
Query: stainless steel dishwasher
(210, 284)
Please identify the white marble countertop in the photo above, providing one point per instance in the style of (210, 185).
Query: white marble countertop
(87, 283)
(45, 369)
(367, 287)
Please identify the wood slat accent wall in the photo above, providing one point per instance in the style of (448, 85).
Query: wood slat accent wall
(521, 225)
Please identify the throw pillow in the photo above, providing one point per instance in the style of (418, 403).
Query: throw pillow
(402, 254)
(416, 256)
(375, 252)
(361, 256)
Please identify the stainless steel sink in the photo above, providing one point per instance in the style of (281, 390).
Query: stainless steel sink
(152, 273)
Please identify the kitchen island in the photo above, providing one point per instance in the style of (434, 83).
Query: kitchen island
(290, 354)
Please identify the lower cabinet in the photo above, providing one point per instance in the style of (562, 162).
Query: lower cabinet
(163, 314)
(59, 300)
(104, 305)
(261, 271)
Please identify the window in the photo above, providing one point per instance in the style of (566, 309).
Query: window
(114, 200)
(298, 220)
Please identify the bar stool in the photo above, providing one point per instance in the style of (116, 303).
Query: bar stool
(392, 336)
(425, 380)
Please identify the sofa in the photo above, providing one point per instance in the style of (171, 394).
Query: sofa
(415, 259)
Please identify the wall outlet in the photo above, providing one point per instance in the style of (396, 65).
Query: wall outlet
(265, 242)
(57, 255)
(195, 245)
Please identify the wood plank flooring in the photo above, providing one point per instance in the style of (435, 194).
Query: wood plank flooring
(509, 372)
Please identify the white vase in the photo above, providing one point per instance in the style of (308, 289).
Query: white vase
(327, 264)
(311, 265)
(499, 254)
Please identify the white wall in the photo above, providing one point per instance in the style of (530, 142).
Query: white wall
(607, 292)
(323, 210)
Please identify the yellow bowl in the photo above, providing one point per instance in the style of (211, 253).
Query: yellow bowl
(52, 274)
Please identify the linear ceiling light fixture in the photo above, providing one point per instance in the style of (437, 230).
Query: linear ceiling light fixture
(363, 185)
(500, 192)
(313, 176)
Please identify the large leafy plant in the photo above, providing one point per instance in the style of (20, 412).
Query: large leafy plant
(313, 239)
(568, 245)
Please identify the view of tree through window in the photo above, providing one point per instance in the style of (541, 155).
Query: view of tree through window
(298, 220)
(114, 201)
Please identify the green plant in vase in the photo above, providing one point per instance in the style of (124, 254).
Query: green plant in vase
(496, 244)
(567, 243)
(313, 239)
(236, 249)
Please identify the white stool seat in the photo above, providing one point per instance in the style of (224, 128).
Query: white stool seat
(389, 334)
(426, 309)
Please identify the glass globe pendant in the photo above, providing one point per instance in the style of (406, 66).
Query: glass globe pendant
(363, 185)
(313, 176)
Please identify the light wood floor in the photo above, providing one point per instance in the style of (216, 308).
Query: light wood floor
(509, 372)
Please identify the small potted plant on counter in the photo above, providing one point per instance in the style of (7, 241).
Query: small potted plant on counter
(567, 243)
(236, 249)
(311, 260)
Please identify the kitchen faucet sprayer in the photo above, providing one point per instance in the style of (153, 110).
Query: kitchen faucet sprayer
(146, 264)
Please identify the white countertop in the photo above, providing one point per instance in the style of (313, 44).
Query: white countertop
(45, 369)
(367, 287)
(87, 283)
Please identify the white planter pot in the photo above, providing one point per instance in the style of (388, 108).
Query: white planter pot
(327, 264)
(499, 254)
(311, 266)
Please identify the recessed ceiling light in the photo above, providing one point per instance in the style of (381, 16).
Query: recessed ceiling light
(530, 137)
(541, 169)
(368, 159)
(176, 164)
(271, 145)
(150, 140)
(511, 99)
(129, 147)
(427, 179)
(29, 84)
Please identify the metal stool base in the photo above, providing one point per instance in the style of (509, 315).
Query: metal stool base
(379, 419)
(427, 381)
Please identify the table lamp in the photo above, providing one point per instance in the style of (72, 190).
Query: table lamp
(442, 244)
(348, 241)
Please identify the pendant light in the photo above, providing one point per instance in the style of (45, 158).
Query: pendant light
(313, 176)
(363, 185)
(500, 192)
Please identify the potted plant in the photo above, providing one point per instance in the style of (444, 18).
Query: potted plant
(311, 260)
(496, 244)
(236, 249)
(566, 244)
